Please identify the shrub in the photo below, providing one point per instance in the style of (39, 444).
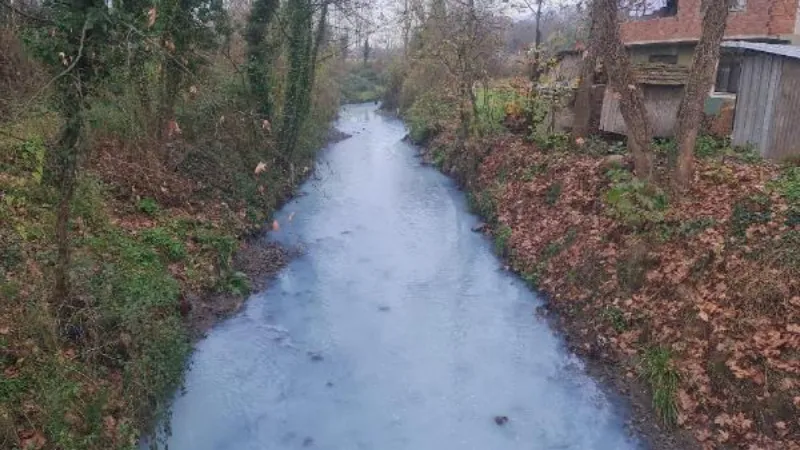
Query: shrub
(148, 206)
(501, 238)
(749, 211)
(634, 202)
(658, 370)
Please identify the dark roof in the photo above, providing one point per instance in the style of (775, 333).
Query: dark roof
(789, 51)
(661, 74)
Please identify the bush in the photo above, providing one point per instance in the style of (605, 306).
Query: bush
(148, 206)
(427, 117)
(634, 202)
(749, 211)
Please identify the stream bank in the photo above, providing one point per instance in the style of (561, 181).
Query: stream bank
(395, 328)
(664, 296)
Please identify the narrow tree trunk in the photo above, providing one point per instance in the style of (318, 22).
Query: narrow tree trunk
(631, 98)
(583, 97)
(66, 161)
(701, 80)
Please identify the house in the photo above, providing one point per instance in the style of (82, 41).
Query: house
(768, 103)
(661, 33)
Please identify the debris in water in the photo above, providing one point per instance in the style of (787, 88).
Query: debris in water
(315, 356)
(480, 228)
(308, 442)
(501, 420)
(384, 308)
(329, 384)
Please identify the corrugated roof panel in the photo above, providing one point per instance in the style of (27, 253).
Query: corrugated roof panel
(789, 51)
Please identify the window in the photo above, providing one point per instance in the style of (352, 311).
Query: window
(650, 9)
(663, 59)
(728, 72)
(738, 5)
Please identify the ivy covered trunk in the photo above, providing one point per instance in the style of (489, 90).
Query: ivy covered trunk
(259, 53)
(296, 101)
(701, 80)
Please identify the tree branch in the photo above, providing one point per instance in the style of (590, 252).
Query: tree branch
(26, 15)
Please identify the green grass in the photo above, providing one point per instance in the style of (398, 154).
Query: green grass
(615, 318)
(148, 206)
(501, 238)
(658, 370)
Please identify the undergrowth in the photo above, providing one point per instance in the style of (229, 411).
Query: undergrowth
(662, 377)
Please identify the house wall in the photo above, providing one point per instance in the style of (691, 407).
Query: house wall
(684, 52)
(661, 102)
(785, 139)
(774, 18)
(758, 86)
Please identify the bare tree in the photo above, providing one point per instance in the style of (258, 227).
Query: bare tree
(701, 78)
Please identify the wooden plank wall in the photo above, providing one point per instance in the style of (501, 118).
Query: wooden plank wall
(785, 140)
(755, 104)
(662, 104)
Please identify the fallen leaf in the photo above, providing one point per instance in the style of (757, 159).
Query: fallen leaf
(5, 330)
(151, 17)
(32, 440)
(275, 225)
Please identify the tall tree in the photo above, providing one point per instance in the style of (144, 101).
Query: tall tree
(701, 80)
(583, 96)
(300, 16)
(631, 98)
(259, 53)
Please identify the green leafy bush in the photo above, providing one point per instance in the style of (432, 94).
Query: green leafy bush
(634, 202)
(148, 206)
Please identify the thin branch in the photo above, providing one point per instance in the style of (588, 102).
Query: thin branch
(26, 15)
(67, 70)
(12, 136)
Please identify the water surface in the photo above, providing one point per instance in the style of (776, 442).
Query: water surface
(397, 328)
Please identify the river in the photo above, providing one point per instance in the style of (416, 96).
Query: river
(397, 328)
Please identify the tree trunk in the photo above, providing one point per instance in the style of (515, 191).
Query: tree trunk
(583, 97)
(66, 160)
(631, 98)
(701, 79)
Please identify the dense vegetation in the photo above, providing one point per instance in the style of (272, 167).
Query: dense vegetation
(139, 143)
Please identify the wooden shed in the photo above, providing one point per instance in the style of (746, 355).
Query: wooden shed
(768, 100)
(662, 85)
